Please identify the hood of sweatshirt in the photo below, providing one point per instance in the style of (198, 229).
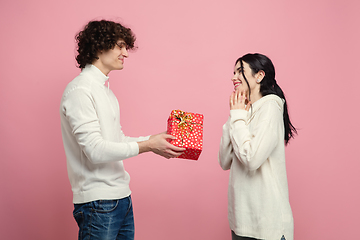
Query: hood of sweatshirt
(271, 97)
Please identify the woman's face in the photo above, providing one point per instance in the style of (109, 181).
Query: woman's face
(239, 81)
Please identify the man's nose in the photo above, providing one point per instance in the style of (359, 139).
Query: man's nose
(125, 52)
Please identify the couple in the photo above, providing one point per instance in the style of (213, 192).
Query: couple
(252, 145)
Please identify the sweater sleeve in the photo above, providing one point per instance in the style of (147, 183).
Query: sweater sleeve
(225, 150)
(132, 139)
(253, 148)
(79, 111)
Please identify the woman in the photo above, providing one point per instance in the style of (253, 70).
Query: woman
(253, 148)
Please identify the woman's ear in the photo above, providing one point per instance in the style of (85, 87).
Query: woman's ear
(260, 76)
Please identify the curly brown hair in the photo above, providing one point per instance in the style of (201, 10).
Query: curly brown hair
(98, 36)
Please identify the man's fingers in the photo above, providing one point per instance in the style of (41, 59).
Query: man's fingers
(174, 148)
(167, 136)
(174, 154)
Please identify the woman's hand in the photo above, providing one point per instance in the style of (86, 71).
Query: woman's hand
(238, 100)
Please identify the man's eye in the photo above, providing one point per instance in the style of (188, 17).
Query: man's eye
(122, 45)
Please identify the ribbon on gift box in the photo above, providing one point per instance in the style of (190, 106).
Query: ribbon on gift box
(184, 121)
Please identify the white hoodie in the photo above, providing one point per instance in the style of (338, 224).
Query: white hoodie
(93, 140)
(252, 147)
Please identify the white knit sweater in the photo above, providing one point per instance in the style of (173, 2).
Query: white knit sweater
(252, 147)
(93, 140)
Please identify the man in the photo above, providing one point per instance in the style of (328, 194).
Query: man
(93, 140)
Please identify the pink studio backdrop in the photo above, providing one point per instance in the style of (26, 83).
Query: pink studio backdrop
(185, 56)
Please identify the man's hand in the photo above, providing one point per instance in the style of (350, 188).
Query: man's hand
(159, 144)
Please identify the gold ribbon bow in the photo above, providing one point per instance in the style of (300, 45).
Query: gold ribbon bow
(184, 122)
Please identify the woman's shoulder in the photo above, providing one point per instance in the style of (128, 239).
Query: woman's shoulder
(269, 100)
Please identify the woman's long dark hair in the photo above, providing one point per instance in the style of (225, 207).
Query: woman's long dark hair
(268, 85)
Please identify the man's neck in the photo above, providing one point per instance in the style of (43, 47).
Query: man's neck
(101, 68)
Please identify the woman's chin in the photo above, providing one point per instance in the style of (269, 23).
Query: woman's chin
(239, 89)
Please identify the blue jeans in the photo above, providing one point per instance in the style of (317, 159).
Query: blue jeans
(236, 237)
(105, 220)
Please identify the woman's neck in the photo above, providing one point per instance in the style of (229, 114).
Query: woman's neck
(255, 96)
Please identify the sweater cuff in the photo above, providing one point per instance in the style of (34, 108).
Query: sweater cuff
(134, 146)
(141, 139)
(238, 114)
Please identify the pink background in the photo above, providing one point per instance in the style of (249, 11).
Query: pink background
(184, 61)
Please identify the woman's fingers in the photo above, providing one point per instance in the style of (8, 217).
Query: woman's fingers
(238, 100)
(248, 106)
(243, 96)
(231, 100)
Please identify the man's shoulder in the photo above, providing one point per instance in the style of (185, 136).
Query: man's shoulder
(80, 83)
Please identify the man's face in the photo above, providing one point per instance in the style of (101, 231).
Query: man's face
(112, 59)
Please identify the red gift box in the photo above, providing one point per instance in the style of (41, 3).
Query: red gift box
(187, 127)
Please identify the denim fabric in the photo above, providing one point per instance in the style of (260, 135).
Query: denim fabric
(105, 220)
(236, 237)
